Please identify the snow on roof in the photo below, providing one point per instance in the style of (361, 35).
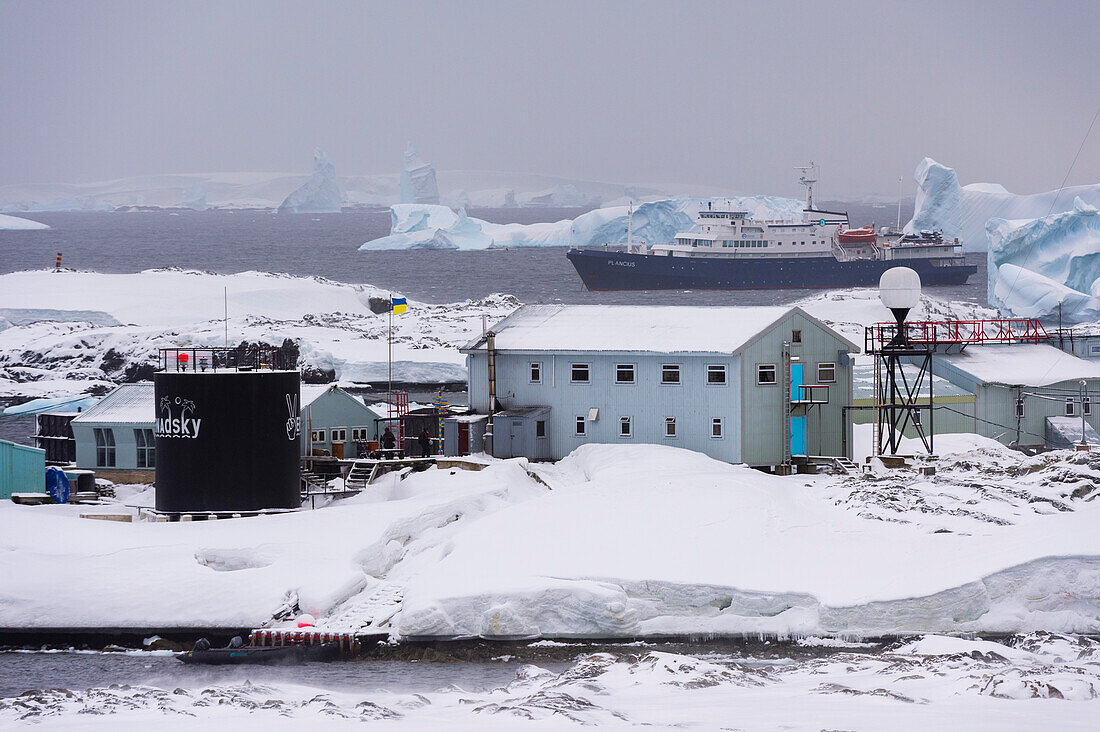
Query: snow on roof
(128, 404)
(1022, 365)
(656, 329)
(311, 392)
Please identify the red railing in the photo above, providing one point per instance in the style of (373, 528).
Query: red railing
(958, 332)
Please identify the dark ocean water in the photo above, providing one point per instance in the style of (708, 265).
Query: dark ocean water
(326, 245)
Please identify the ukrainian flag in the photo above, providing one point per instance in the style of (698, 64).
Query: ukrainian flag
(399, 305)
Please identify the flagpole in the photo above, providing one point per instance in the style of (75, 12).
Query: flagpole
(389, 340)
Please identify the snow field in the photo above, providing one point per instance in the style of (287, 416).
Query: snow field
(66, 325)
(626, 541)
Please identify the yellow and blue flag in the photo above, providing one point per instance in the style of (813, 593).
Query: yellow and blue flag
(399, 305)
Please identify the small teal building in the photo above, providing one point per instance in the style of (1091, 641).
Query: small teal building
(334, 421)
(22, 469)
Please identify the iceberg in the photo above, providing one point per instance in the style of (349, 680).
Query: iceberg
(418, 183)
(319, 194)
(963, 211)
(1038, 266)
(9, 223)
(439, 227)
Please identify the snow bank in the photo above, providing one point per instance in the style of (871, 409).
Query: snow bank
(1037, 266)
(14, 223)
(320, 194)
(56, 335)
(963, 211)
(438, 227)
(651, 541)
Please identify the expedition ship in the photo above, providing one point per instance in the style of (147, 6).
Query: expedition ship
(728, 250)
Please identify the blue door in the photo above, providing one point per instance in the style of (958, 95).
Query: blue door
(798, 424)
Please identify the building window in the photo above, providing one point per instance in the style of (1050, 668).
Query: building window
(765, 374)
(716, 427)
(1094, 349)
(826, 373)
(1086, 407)
(670, 426)
(796, 335)
(339, 435)
(104, 448)
(670, 373)
(540, 428)
(716, 374)
(625, 428)
(146, 448)
(318, 435)
(1070, 408)
(536, 372)
(917, 418)
(624, 373)
(579, 373)
(581, 428)
(359, 434)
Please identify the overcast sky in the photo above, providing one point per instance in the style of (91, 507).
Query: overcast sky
(715, 94)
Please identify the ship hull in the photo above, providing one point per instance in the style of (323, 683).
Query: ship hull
(608, 270)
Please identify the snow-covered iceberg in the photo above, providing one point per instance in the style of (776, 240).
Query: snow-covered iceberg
(418, 183)
(963, 211)
(319, 194)
(439, 227)
(1037, 266)
(16, 223)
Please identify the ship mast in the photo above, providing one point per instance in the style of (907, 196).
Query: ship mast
(808, 178)
(630, 224)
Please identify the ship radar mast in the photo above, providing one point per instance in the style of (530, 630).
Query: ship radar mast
(808, 178)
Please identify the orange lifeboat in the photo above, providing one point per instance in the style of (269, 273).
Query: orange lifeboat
(856, 237)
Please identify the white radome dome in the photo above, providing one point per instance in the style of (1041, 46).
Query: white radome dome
(899, 288)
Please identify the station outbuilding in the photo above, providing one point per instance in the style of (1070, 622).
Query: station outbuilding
(1018, 387)
(115, 437)
(334, 422)
(753, 385)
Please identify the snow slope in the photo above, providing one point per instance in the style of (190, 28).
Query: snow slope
(78, 330)
(963, 211)
(613, 541)
(656, 222)
(14, 223)
(1037, 265)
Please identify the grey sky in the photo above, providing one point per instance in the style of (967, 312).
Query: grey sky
(716, 94)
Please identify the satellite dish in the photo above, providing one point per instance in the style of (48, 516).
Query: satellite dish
(899, 290)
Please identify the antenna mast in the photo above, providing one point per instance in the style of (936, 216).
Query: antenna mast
(630, 224)
(899, 203)
(808, 178)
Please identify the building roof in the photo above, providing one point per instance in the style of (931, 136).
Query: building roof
(128, 404)
(642, 328)
(1022, 365)
(863, 382)
(311, 392)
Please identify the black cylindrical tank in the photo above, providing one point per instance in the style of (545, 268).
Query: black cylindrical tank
(227, 440)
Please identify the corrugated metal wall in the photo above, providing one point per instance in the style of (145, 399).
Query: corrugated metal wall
(22, 469)
(765, 417)
(647, 402)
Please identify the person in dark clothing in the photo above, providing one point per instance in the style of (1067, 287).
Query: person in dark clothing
(425, 443)
(388, 440)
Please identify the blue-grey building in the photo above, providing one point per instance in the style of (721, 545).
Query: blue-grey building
(741, 384)
(334, 421)
(115, 437)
